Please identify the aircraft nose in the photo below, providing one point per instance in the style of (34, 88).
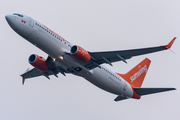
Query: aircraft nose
(12, 22)
(9, 18)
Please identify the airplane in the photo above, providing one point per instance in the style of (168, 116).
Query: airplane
(66, 58)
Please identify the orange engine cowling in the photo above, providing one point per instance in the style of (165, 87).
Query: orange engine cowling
(38, 62)
(80, 53)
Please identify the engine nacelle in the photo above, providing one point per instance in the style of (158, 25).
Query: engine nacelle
(38, 62)
(80, 53)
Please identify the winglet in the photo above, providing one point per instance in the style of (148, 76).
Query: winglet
(170, 44)
(23, 80)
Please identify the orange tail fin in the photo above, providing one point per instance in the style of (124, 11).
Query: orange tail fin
(135, 77)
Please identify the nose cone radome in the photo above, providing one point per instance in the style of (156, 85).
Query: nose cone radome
(20, 24)
(9, 18)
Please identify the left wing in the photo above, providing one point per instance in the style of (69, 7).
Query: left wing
(114, 56)
(53, 69)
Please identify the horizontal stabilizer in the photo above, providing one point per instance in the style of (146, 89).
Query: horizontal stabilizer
(118, 98)
(146, 91)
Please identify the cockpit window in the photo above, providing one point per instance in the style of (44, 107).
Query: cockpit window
(18, 14)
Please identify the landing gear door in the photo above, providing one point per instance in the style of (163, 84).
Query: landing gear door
(31, 22)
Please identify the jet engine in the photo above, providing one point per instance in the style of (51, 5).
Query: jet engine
(38, 62)
(80, 53)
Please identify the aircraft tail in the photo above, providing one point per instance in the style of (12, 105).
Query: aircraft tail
(135, 77)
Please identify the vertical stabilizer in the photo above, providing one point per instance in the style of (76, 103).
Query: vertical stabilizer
(135, 77)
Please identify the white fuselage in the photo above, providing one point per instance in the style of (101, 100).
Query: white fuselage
(56, 46)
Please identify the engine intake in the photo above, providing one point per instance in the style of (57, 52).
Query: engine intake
(80, 53)
(38, 62)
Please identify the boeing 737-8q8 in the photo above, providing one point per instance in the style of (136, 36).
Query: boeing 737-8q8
(65, 58)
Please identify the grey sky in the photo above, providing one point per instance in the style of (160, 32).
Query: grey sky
(96, 26)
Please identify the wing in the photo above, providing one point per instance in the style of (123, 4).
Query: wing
(53, 69)
(114, 56)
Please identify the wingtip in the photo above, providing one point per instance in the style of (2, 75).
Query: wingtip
(168, 46)
(171, 43)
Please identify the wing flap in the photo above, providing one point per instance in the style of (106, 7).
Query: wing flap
(126, 54)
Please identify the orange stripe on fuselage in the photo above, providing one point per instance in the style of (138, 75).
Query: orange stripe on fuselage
(56, 34)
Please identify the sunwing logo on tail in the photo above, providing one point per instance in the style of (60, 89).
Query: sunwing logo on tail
(137, 74)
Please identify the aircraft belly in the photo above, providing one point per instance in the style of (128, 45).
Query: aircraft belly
(55, 48)
(103, 82)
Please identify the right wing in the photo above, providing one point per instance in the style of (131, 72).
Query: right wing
(53, 69)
